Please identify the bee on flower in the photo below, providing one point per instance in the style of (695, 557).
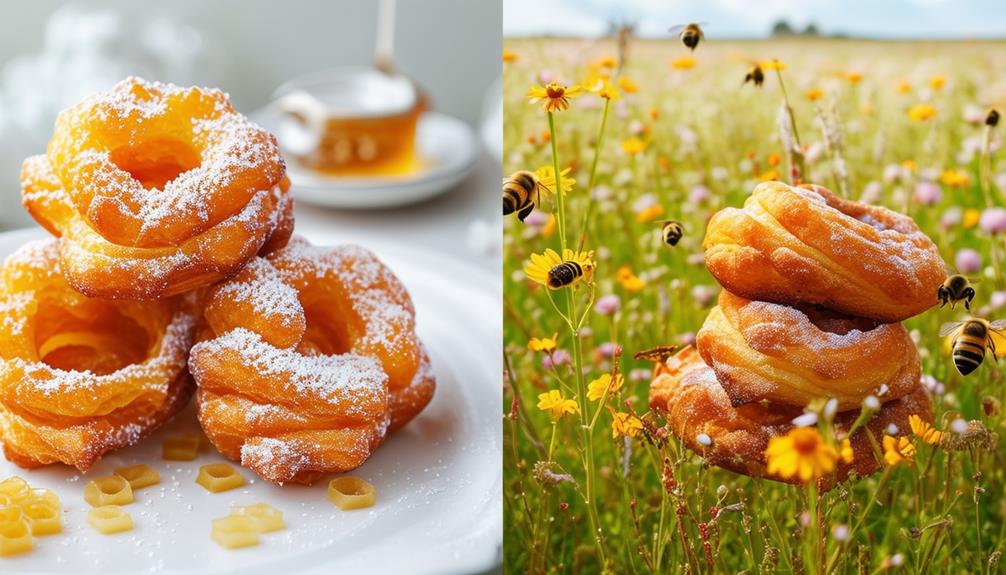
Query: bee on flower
(555, 404)
(555, 272)
(553, 96)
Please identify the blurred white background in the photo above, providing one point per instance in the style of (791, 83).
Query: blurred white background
(52, 53)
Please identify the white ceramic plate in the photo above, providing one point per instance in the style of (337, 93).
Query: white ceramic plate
(446, 144)
(438, 480)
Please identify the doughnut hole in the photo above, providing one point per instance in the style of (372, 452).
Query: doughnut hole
(329, 323)
(156, 161)
(78, 335)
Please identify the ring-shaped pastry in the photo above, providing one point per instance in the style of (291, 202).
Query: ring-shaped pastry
(805, 245)
(308, 358)
(156, 190)
(80, 377)
(791, 356)
(685, 391)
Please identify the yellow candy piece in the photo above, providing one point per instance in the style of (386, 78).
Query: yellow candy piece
(111, 490)
(15, 536)
(109, 519)
(15, 488)
(204, 442)
(266, 517)
(44, 494)
(235, 531)
(181, 447)
(351, 493)
(11, 513)
(139, 476)
(217, 477)
(44, 518)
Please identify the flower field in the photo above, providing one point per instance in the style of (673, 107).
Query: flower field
(649, 132)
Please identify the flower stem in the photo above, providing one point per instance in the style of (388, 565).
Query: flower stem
(795, 156)
(560, 204)
(593, 173)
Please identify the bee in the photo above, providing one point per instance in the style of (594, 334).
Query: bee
(956, 289)
(521, 194)
(657, 354)
(973, 337)
(756, 76)
(567, 273)
(690, 34)
(671, 232)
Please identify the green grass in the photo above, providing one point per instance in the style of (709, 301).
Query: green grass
(945, 514)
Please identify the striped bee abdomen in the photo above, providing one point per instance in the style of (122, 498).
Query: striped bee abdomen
(564, 274)
(969, 352)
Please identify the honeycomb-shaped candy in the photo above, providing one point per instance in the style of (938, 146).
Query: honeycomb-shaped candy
(108, 519)
(43, 517)
(180, 448)
(15, 535)
(350, 492)
(15, 489)
(217, 477)
(111, 490)
(139, 476)
(235, 531)
(267, 517)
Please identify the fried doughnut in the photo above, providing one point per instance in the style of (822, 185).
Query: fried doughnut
(156, 190)
(805, 245)
(80, 377)
(308, 357)
(791, 356)
(685, 391)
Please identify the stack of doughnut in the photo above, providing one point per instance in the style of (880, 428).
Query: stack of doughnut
(173, 267)
(815, 288)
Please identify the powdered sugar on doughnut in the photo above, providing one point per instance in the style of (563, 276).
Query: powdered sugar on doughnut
(266, 292)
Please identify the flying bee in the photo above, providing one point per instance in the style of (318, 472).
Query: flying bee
(671, 232)
(690, 34)
(972, 337)
(521, 194)
(657, 354)
(756, 76)
(956, 289)
(568, 273)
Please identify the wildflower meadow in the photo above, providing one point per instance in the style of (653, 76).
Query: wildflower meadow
(638, 132)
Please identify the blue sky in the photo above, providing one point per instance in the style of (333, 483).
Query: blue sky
(754, 18)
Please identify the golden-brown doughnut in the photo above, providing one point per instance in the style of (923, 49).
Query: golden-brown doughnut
(791, 356)
(309, 357)
(79, 376)
(804, 245)
(685, 391)
(156, 190)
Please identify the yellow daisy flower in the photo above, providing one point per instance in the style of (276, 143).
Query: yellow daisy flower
(546, 344)
(923, 430)
(607, 62)
(596, 388)
(625, 424)
(898, 450)
(683, 63)
(627, 85)
(768, 175)
(603, 88)
(773, 64)
(801, 453)
(922, 112)
(510, 56)
(649, 214)
(937, 82)
(854, 77)
(554, 96)
(546, 179)
(955, 179)
(970, 218)
(814, 94)
(633, 283)
(540, 267)
(633, 146)
(904, 87)
(553, 402)
(845, 451)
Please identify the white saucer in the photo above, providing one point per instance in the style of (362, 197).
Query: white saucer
(446, 145)
(438, 479)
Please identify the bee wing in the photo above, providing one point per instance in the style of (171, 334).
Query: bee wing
(676, 29)
(949, 327)
(998, 337)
